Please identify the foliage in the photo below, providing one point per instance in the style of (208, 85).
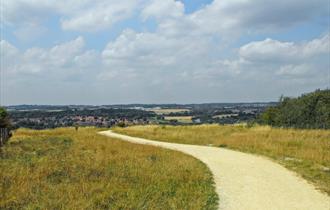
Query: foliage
(5, 123)
(310, 110)
(304, 151)
(4, 118)
(121, 124)
(65, 169)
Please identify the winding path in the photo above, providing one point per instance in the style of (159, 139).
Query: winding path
(248, 182)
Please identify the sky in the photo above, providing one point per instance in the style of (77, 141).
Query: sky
(162, 51)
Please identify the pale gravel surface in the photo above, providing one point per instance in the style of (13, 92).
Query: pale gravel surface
(248, 182)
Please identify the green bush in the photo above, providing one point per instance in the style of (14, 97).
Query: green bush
(121, 124)
(310, 110)
(4, 118)
(5, 123)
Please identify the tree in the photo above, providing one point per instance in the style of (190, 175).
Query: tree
(269, 116)
(310, 110)
(5, 126)
(4, 118)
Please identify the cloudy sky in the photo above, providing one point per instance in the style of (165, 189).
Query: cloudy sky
(162, 51)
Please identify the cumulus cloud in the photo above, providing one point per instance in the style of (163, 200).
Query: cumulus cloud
(257, 15)
(268, 50)
(228, 20)
(152, 54)
(219, 16)
(183, 59)
(287, 60)
(60, 60)
(276, 51)
(78, 15)
(100, 15)
(168, 62)
(163, 9)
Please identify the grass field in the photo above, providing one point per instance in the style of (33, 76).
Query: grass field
(182, 119)
(168, 111)
(65, 169)
(305, 151)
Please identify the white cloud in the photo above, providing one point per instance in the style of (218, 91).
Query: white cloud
(59, 61)
(152, 55)
(78, 15)
(7, 50)
(101, 15)
(294, 70)
(231, 19)
(225, 16)
(163, 9)
(184, 57)
(8, 56)
(290, 62)
(275, 51)
(317, 46)
(269, 51)
(257, 15)
(194, 63)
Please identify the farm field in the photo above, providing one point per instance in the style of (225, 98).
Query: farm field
(182, 119)
(168, 111)
(306, 152)
(65, 169)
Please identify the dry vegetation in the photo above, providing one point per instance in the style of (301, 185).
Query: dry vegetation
(65, 169)
(305, 151)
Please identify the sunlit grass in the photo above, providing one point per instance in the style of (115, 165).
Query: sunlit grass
(65, 169)
(305, 151)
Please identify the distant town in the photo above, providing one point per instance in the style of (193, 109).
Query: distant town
(47, 116)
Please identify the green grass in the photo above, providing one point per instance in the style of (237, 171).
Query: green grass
(64, 169)
(305, 151)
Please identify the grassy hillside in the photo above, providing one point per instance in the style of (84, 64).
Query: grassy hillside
(64, 169)
(304, 151)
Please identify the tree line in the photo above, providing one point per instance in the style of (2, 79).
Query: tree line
(311, 111)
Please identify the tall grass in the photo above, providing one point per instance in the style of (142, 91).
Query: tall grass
(65, 169)
(304, 151)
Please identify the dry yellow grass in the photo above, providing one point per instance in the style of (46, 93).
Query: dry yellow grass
(182, 119)
(65, 169)
(304, 151)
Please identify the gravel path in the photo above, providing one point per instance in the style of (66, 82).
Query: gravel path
(245, 181)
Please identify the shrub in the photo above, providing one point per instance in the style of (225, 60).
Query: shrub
(121, 124)
(4, 118)
(5, 126)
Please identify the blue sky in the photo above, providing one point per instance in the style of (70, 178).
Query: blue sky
(162, 51)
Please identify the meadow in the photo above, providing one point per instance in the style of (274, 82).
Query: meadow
(306, 152)
(68, 169)
(168, 111)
